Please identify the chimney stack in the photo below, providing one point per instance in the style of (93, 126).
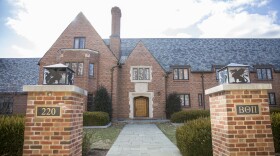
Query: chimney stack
(115, 40)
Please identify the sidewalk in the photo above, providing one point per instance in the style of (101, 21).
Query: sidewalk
(142, 140)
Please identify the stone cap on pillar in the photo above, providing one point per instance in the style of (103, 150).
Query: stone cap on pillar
(228, 87)
(54, 88)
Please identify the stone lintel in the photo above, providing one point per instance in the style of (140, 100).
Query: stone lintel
(54, 88)
(247, 86)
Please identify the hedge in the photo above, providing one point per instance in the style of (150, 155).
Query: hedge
(275, 126)
(184, 116)
(96, 118)
(11, 135)
(194, 137)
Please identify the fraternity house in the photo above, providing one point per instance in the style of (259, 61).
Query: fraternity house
(139, 73)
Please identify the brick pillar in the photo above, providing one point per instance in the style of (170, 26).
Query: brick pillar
(240, 120)
(54, 120)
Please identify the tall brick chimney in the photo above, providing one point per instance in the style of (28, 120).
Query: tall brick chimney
(115, 40)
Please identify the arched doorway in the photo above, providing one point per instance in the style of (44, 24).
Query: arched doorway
(141, 106)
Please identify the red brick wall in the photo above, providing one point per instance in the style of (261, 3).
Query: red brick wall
(104, 61)
(54, 135)
(236, 135)
(142, 57)
(193, 86)
(20, 102)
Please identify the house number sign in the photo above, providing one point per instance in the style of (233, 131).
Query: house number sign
(48, 111)
(247, 109)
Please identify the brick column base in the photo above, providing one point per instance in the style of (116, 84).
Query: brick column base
(240, 120)
(49, 131)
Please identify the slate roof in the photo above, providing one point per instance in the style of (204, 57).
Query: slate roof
(202, 54)
(16, 72)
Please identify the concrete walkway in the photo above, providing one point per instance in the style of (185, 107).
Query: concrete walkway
(143, 140)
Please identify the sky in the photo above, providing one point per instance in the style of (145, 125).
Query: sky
(28, 28)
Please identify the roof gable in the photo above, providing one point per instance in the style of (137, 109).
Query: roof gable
(202, 54)
(79, 27)
(141, 54)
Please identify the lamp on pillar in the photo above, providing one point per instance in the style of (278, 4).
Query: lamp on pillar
(58, 74)
(234, 73)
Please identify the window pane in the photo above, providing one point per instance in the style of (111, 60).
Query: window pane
(135, 74)
(141, 74)
(76, 43)
(82, 43)
(186, 74)
(147, 74)
(80, 68)
(187, 100)
(74, 67)
(200, 99)
(264, 74)
(182, 100)
(269, 75)
(175, 73)
(259, 72)
(272, 98)
(91, 69)
(180, 74)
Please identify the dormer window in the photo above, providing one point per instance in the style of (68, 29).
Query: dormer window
(181, 74)
(264, 73)
(79, 42)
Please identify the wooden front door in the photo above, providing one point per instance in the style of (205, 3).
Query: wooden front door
(141, 108)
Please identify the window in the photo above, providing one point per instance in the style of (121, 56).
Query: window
(271, 97)
(140, 73)
(79, 42)
(185, 100)
(91, 69)
(200, 100)
(6, 104)
(264, 74)
(180, 74)
(78, 68)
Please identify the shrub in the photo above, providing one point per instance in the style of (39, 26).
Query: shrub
(173, 104)
(96, 118)
(102, 101)
(194, 137)
(11, 135)
(274, 110)
(86, 144)
(183, 116)
(275, 126)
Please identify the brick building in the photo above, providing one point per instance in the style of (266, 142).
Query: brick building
(140, 73)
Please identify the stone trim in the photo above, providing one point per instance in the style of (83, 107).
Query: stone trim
(54, 88)
(132, 95)
(228, 87)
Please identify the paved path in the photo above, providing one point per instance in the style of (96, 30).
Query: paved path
(143, 140)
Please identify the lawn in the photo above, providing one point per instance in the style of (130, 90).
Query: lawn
(169, 130)
(104, 138)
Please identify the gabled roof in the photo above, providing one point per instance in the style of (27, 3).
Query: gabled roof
(202, 54)
(16, 72)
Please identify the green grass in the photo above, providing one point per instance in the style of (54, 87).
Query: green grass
(104, 138)
(169, 130)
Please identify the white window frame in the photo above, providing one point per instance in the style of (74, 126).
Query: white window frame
(131, 73)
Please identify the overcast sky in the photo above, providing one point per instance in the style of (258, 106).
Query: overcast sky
(29, 27)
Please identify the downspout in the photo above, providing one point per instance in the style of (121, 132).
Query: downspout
(112, 78)
(112, 82)
(203, 92)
